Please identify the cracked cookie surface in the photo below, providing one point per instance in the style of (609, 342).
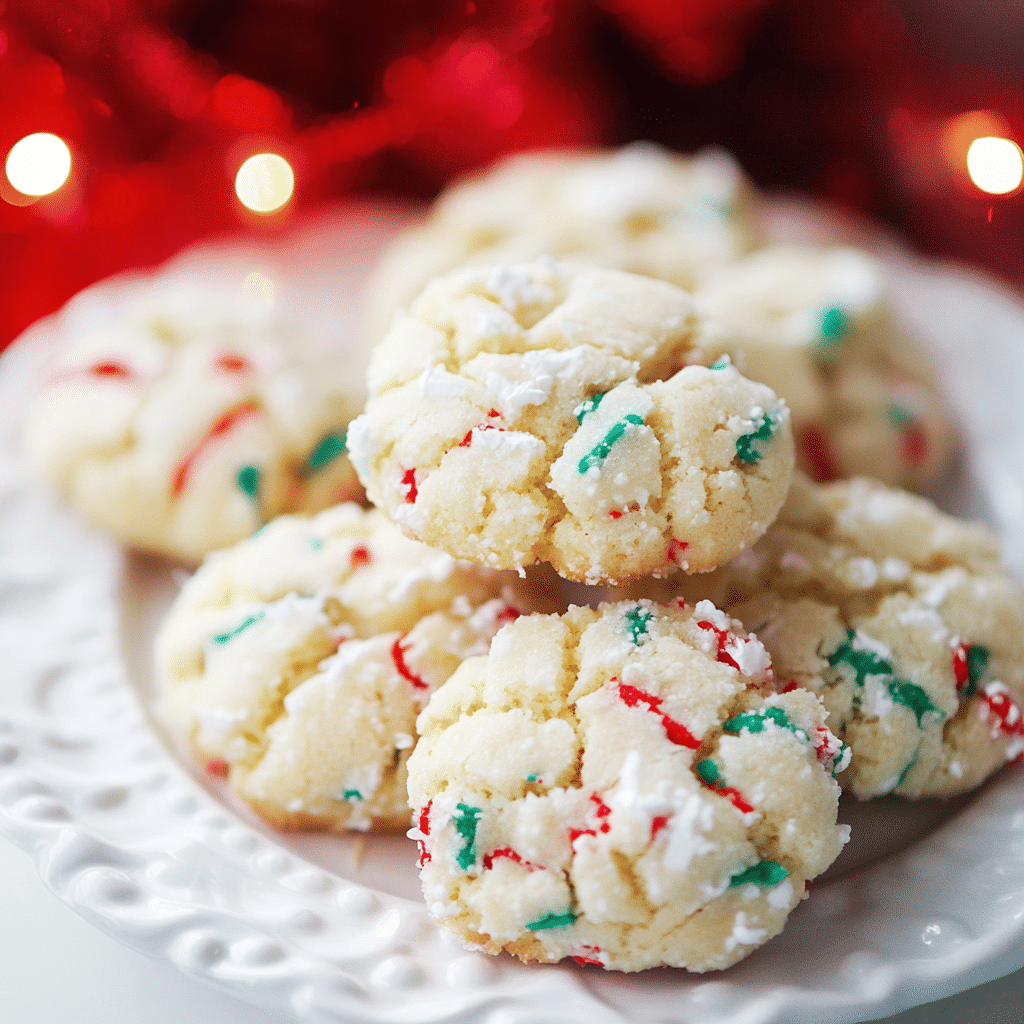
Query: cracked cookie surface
(901, 618)
(182, 419)
(555, 412)
(622, 786)
(295, 663)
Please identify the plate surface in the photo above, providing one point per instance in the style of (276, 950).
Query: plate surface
(137, 840)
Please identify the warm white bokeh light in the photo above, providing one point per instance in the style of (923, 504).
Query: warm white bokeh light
(39, 164)
(259, 287)
(265, 182)
(995, 165)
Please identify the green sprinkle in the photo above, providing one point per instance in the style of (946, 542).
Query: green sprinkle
(398, 755)
(465, 825)
(552, 921)
(835, 325)
(223, 638)
(638, 620)
(327, 450)
(754, 721)
(750, 447)
(900, 415)
(977, 662)
(708, 771)
(532, 777)
(588, 406)
(910, 764)
(601, 451)
(248, 481)
(352, 794)
(316, 543)
(721, 364)
(863, 663)
(767, 874)
(911, 696)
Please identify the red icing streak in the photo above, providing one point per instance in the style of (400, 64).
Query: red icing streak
(589, 955)
(360, 556)
(398, 657)
(821, 744)
(676, 548)
(615, 513)
(244, 410)
(423, 824)
(724, 639)
(819, 457)
(509, 614)
(218, 768)
(468, 439)
(409, 482)
(791, 686)
(676, 731)
(233, 363)
(102, 370)
(960, 672)
(111, 370)
(658, 822)
(509, 854)
(735, 797)
(602, 811)
(915, 444)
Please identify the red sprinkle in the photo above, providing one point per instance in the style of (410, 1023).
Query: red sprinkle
(508, 853)
(360, 556)
(791, 686)
(615, 513)
(218, 768)
(676, 548)
(494, 412)
(675, 731)
(111, 369)
(248, 408)
(819, 457)
(584, 956)
(467, 440)
(423, 824)
(509, 614)
(409, 482)
(735, 797)
(960, 672)
(658, 822)
(603, 810)
(724, 639)
(234, 363)
(1008, 719)
(398, 657)
(915, 444)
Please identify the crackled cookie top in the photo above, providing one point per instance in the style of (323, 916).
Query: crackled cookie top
(640, 208)
(183, 418)
(902, 619)
(547, 411)
(622, 786)
(814, 324)
(295, 663)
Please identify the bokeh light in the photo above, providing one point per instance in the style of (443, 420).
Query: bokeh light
(39, 164)
(265, 182)
(995, 165)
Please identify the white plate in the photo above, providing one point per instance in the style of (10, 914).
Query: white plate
(141, 844)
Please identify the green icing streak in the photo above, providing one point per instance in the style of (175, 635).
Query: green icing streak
(835, 325)
(977, 662)
(749, 447)
(767, 874)
(863, 663)
(223, 638)
(900, 415)
(248, 481)
(603, 448)
(465, 824)
(721, 364)
(637, 621)
(910, 764)
(552, 921)
(352, 794)
(327, 450)
(910, 695)
(708, 771)
(588, 406)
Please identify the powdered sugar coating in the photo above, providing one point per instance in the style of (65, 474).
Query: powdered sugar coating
(607, 785)
(579, 428)
(815, 324)
(640, 208)
(182, 418)
(296, 662)
(902, 619)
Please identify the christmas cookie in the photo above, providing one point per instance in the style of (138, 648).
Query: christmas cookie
(815, 325)
(622, 786)
(902, 620)
(547, 411)
(641, 209)
(295, 663)
(183, 419)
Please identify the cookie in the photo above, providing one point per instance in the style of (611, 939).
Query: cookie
(641, 208)
(901, 618)
(182, 419)
(556, 412)
(295, 663)
(622, 786)
(815, 325)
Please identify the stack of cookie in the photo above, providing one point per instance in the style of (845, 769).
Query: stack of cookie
(650, 776)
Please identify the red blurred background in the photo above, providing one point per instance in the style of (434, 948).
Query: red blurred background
(870, 104)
